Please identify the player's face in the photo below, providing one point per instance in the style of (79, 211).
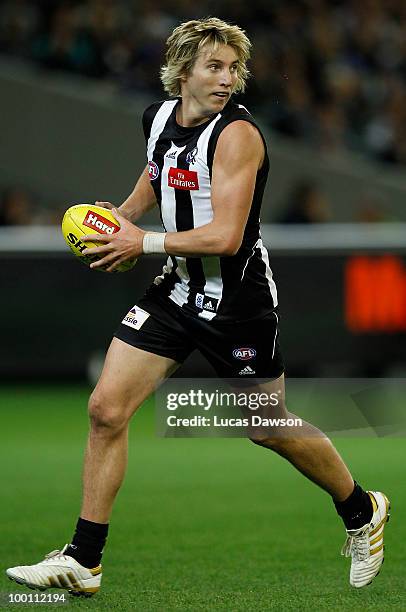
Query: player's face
(210, 83)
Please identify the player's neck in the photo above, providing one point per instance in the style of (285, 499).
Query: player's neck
(190, 114)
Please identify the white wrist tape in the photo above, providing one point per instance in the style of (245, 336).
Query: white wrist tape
(153, 243)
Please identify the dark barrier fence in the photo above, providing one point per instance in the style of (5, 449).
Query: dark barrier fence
(342, 313)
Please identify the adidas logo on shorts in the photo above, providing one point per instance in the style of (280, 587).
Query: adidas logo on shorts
(206, 303)
(246, 370)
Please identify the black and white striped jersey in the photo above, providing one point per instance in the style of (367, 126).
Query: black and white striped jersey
(180, 163)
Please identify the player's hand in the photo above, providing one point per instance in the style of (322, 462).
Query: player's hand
(108, 205)
(114, 249)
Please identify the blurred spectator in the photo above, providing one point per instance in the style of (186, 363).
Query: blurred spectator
(371, 209)
(16, 207)
(19, 22)
(306, 204)
(330, 72)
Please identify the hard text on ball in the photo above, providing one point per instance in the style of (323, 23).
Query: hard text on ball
(100, 223)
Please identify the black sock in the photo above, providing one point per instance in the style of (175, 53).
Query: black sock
(88, 543)
(357, 509)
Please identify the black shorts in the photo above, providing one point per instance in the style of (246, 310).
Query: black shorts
(248, 349)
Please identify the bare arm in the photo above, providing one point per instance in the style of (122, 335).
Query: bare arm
(141, 199)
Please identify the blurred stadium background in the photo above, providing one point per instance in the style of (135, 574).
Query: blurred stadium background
(329, 90)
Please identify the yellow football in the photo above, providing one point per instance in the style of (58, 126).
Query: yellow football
(85, 219)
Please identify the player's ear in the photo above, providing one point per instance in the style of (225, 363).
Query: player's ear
(186, 70)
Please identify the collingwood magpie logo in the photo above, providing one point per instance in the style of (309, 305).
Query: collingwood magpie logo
(191, 156)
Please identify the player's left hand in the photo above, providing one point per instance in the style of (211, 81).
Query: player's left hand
(124, 245)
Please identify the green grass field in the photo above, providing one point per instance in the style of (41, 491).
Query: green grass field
(200, 524)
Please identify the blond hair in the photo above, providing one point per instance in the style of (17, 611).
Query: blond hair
(188, 39)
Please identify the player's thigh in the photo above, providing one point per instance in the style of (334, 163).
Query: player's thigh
(128, 377)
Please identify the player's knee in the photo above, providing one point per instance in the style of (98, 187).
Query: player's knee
(106, 413)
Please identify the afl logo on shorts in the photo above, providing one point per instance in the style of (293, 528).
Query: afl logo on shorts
(153, 170)
(244, 353)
